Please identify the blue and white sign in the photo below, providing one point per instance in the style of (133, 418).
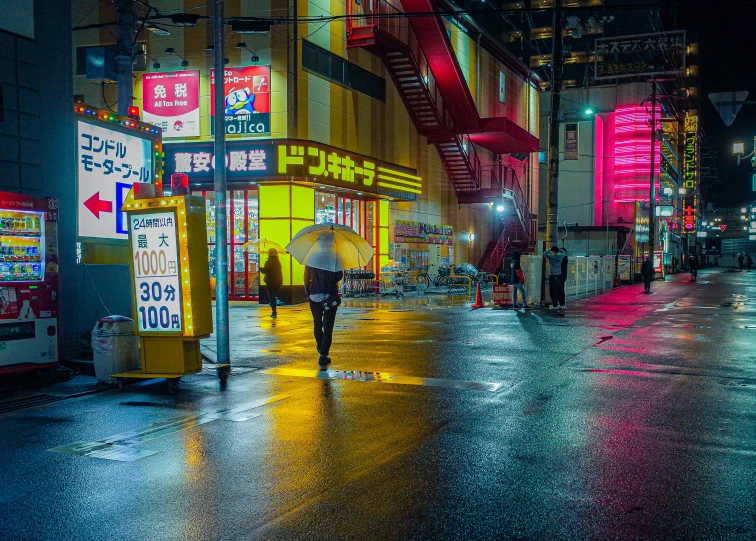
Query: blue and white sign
(109, 162)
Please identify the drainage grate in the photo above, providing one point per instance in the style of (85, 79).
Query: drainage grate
(28, 402)
(40, 399)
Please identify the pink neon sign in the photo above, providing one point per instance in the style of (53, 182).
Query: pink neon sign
(632, 153)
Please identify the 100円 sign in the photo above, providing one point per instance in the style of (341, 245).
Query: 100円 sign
(157, 283)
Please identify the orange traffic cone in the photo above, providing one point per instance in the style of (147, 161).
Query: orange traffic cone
(478, 298)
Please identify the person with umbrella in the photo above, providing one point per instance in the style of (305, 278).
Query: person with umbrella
(273, 279)
(326, 250)
(322, 289)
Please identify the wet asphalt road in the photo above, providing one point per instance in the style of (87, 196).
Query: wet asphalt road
(630, 417)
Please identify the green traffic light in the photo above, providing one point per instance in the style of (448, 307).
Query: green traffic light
(589, 111)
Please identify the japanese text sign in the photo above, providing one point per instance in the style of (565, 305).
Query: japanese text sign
(171, 101)
(502, 295)
(246, 100)
(640, 55)
(109, 162)
(154, 247)
(294, 160)
(571, 141)
(690, 174)
(422, 233)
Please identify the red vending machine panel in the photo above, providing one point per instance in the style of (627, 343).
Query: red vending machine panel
(28, 282)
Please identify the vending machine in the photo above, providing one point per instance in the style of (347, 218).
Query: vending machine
(28, 282)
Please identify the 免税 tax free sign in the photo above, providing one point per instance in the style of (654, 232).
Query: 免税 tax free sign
(157, 270)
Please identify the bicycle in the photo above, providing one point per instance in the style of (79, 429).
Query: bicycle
(425, 279)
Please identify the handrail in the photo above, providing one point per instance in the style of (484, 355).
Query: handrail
(504, 177)
(383, 17)
(468, 148)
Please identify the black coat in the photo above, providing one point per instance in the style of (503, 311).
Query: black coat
(647, 268)
(273, 273)
(319, 281)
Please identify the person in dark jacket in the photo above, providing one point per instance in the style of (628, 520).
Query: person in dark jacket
(647, 271)
(273, 278)
(555, 256)
(518, 283)
(322, 288)
(749, 262)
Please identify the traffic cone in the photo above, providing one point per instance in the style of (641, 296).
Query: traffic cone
(478, 298)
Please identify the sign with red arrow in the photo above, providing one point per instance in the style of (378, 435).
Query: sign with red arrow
(97, 205)
(109, 162)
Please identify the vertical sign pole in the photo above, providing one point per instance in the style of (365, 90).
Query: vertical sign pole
(221, 233)
(652, 189)
(124, 60)
(552, 182)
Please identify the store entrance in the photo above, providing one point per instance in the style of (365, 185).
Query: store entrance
(243, 265)
(358, 214)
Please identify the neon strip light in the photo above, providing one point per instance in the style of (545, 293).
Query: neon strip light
(400, 181)
(399, 173)
(400, 188)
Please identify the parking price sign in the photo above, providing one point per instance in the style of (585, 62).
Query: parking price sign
(154, 247)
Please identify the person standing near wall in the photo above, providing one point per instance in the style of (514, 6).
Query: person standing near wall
(518, 283)
(556, 284)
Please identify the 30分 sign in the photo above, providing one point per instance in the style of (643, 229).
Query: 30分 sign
(157, 271)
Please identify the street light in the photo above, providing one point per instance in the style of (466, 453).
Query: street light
(588, 111)
(500, 208)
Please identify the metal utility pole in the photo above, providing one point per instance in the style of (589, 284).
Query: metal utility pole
(221, 228)
(124, 59)
(552, 183)
(652, 190)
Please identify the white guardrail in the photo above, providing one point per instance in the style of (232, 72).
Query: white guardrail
(586, 276)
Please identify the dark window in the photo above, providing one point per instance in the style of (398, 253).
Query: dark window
(333, 67)
(2, 106)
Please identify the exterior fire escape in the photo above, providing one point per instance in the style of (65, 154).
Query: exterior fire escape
(420, 59)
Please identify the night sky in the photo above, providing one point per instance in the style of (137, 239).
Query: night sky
(727, 37)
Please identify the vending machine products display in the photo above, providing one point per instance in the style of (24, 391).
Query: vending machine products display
(28, 282)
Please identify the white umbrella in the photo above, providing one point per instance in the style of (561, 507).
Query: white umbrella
(330, 247)
(261, 246)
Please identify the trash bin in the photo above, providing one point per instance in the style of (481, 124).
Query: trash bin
(115, 346)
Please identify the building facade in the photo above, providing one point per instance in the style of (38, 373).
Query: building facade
(423, 142)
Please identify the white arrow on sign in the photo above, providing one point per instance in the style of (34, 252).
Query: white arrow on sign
(728, 104)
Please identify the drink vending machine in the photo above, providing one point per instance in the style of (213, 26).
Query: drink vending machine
(28, 283)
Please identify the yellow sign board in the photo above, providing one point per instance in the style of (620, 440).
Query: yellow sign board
(170, 275)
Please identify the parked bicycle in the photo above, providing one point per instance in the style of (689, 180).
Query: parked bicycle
(425, 279)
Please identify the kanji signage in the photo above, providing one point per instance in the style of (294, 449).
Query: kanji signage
(154, 247)
(246, 100)
(642, 223)
(641, 55)
(571, 141)
(109, 162)
(690, 173)
(171, 101)
(294, 160)
(421, 233)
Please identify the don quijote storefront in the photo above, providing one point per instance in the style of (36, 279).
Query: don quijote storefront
(278, 187)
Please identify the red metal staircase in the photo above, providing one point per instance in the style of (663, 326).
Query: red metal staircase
(419, 57)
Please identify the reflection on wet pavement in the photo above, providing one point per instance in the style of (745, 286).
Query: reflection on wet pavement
(628, 417)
